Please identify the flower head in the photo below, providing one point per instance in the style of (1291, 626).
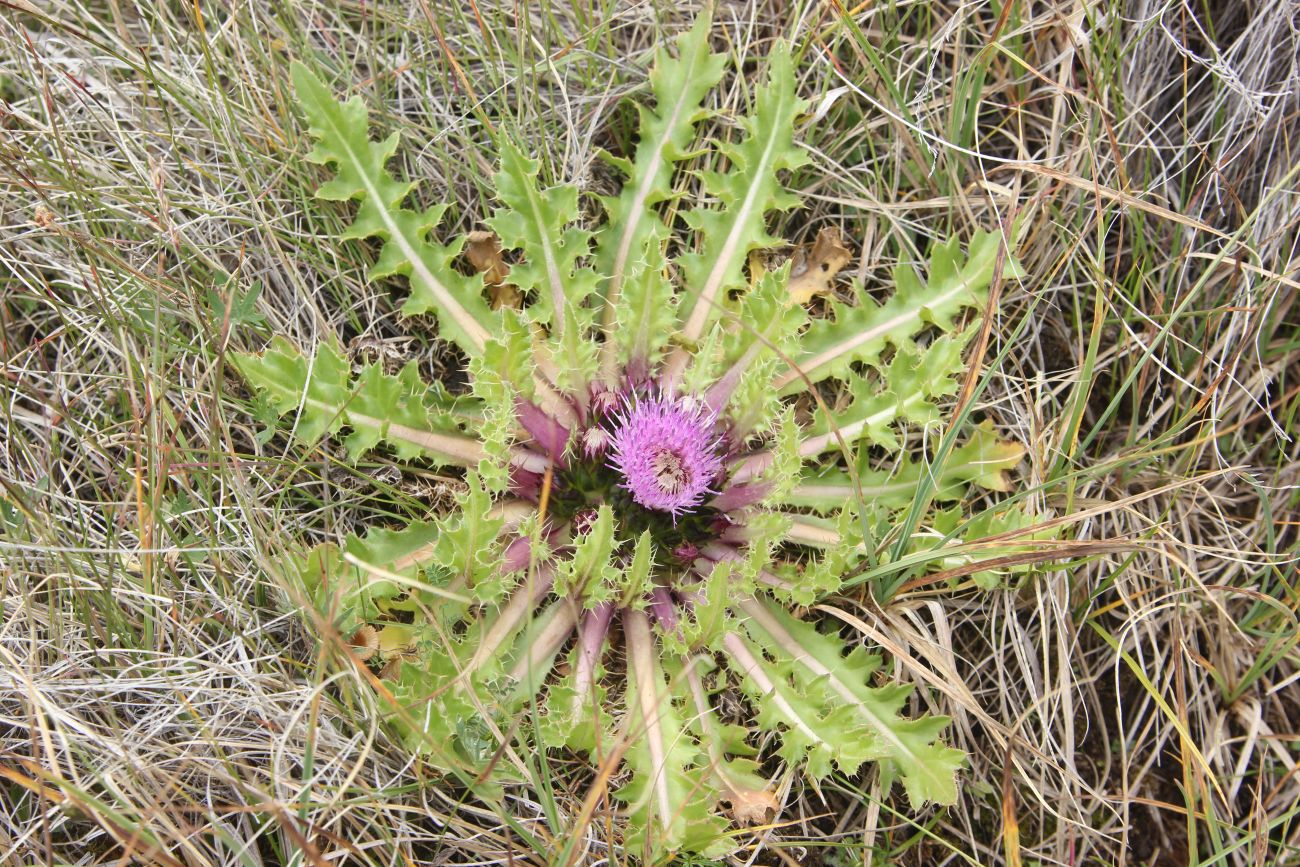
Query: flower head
(667, 451)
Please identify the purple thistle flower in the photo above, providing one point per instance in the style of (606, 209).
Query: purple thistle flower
(666, 450)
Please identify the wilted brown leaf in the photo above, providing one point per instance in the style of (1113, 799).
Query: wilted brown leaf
(365, 643)
(483, 250)
(811, 271)
(751, 806)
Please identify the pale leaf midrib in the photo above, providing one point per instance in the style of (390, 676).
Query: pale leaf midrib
(548, 253)
(638, 204)
(462, 450)
(648, 705)
(850, 431)
(471, 326)
(808, 366)
(769, 623)
(703, 301)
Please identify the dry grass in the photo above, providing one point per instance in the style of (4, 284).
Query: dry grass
(1137, 706)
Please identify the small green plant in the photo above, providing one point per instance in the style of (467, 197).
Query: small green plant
(643, 514)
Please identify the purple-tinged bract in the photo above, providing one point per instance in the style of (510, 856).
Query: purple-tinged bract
(667, 450)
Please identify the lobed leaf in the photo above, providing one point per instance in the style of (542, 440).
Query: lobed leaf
(910, 383)
(644, 318)
(574, 710)
(635, 229)
(727, 232)
(358, 582)
(441, 714)
(590, 565)
(540, 223)
(827, 709)
(501, 376)
(416, 419)
(841, 548)
(765, 330)
(343, 140)
(1014, 519)
(668, 798)
(573, 352)
(860, 334)
(737, 777)
(982, 460)
(467, 546)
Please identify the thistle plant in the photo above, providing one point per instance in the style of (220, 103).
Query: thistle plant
(666, 460)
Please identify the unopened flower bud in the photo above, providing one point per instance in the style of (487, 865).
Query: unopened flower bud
(603, 401)
(595, 442)
(686, 552)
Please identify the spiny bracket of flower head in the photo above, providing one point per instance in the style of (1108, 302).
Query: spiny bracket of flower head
(643, 507)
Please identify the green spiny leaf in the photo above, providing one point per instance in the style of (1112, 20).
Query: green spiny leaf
(359, 582)
(763, 334)
(467, 545)
(343, 140)
(911, 382)
(745, 193)
(416, 419)
(574, 352)
(710, 615)
(862, 333)
(539, 222)
(726, 746)
(314, 387)
(645, 315)
(501, 375)
(855, 721)
(440, 713)
(535, 650)
(993, 522)
(668, 798)
(635, 580)
(809, 735)
(405, 401)
(819, 576)
(590, 563)
(783, 472)
(983, 460)
(766, 323)
(575, 715)
(635, 228)
(755, 405)
(764, 531)
(707, 360)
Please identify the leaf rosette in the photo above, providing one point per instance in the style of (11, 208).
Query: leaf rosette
(644, 507)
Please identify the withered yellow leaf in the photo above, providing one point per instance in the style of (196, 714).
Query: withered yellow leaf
(751, 806)
(483, 251)
(813, 270)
